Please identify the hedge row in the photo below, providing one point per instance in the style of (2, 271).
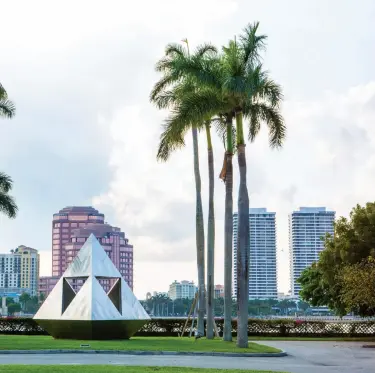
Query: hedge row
(271, 328)
(256, 327)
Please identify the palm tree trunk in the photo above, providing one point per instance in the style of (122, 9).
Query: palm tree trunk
(228, 235)
(243, 239)
(210, 238)
(199, 227)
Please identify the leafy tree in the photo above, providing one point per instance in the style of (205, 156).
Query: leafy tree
(24, 299)
(351, 243)
(7, 108)
(358, 287)
(32, 305)
(7, 203)
(9, 301)
(42, 297)
(303, 306)
(13, 308)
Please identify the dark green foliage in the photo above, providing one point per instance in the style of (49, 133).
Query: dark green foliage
(353, 242)
(13, 307)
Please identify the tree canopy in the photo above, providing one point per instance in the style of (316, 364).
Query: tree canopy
(330, 282)
(359, 276)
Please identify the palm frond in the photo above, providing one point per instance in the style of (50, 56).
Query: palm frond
(164, 99)
(232, 60)
(252, 111)
(261, 112)
(174, 49)
(205, 50)
(276, 127)
(6, 182)
(171, 139)
(7, 109)
(8, 205)
(200, 105)
(3, 92)
(252, 44)
(219, 124)
(270, 91)
(162, 85)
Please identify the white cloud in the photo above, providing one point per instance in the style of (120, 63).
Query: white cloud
(327, 160)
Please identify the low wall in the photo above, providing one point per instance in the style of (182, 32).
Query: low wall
(275, 328)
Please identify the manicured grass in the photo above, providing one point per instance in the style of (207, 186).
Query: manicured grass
(318, 339)
(24, 342)
(112, 369)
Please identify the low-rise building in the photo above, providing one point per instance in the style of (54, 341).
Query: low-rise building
(46, 284)
(182, 290)
(219, 291)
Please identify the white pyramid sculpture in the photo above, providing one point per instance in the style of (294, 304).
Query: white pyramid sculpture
(91, 312)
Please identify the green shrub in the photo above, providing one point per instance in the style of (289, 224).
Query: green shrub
(256, 327)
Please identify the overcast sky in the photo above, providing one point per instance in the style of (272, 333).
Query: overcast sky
(80, 73)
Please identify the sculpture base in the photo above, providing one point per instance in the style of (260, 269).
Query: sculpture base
(91, 329)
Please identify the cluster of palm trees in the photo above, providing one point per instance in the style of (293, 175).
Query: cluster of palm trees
(7, 203)
(210, 88)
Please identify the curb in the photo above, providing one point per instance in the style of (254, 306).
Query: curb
(149, 353)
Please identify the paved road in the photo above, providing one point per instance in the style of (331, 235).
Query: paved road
(304, 357)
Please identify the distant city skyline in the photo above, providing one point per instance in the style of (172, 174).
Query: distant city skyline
(73, 224)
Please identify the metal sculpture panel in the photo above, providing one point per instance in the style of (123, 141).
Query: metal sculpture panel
(91, 313)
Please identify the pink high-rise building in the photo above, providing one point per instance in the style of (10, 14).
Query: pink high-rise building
(64, 222)
(71, 227)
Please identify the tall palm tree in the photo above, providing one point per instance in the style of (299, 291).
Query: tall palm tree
(7, 204)
(257, 98)
(249, 93)
(7, 108)
(198, 105)
(171, 92)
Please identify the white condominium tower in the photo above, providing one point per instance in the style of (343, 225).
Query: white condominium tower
(262, 266)
(307, 227)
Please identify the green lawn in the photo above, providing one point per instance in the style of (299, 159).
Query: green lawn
(23, 342)
(112, 369)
